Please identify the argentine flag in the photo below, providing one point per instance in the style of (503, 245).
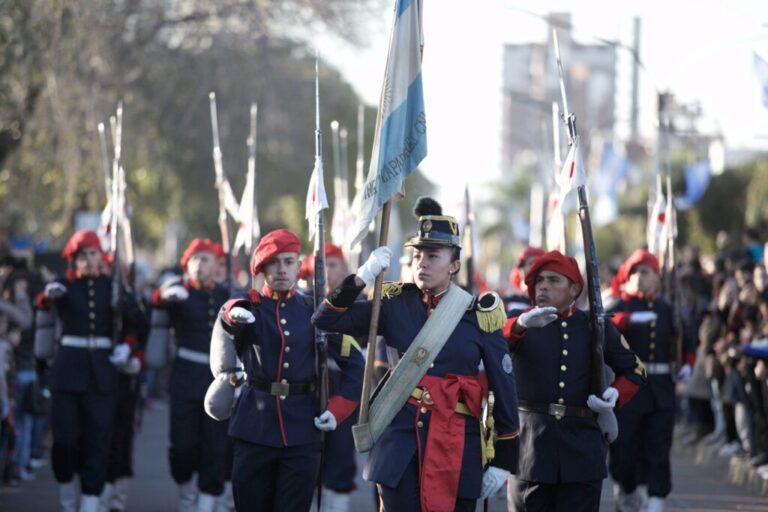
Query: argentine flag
(400, 140)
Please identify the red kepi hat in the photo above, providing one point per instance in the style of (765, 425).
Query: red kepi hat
(307, 268)
(79, 241)
(271, 244)
(639, 257)
(197, 245)
(555, 262)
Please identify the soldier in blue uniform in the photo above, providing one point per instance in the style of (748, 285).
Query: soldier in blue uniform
(84, 369)
(518, 296)
(339, 461)
(645, 426)
(275, 423)
(430, 457)
(198, 442)
(562, 460)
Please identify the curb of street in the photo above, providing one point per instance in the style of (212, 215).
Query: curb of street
(735, 469)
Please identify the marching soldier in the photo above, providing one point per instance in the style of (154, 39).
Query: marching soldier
(562, 460)
(84, 369)
(339, 465)
(518, 296)
(645, 425)
(429, 456)
(198, 443)
(274, 424)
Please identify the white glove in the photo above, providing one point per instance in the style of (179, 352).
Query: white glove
(120, 354)
(684, 373)
(608, 425)
(174, 293)
(608, 402)
(538, 317)
(376, 262)
(54, 290)
(241, 316)
(325, 422)
(642, 317)
(132, 367)
(493, 480)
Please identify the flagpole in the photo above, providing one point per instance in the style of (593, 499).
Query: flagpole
(373, 329)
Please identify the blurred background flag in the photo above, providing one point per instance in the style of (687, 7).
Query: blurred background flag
(400, 140)
(761, 70)
(697, 178)
(317, 200)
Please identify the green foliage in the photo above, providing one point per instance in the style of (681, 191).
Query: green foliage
(64, 66)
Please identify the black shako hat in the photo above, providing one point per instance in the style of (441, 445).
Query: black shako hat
(435, 229)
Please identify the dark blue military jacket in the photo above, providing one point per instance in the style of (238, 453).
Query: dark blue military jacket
(653, 343)
(552, 366)
(401, 319)
(192, 321)
(280, 347)
(85, 311)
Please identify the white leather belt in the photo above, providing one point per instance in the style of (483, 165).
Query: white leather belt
(193, 355)
(657, 368)
(89, 342)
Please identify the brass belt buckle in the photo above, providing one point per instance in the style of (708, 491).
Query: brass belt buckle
(279, 389)
(557, 410)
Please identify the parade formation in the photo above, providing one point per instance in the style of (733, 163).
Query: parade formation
(289, 374)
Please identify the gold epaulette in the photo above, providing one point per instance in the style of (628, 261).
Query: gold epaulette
(490, 312)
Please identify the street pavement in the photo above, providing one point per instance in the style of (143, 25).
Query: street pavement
(153, 490)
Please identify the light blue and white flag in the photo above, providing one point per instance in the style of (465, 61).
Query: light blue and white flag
(400, 140)
(697, 177)
(761, 70)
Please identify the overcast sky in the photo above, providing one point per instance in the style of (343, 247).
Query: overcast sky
(699, 50)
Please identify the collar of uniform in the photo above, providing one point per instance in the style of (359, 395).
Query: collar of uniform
(639, 295)
(73, 275)
(567, 312)
(197, 285)
(267, 291)
(433, 300)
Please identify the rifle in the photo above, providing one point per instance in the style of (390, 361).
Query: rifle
(220, 179)
(321, 338)
(252, 222)
(116, 123)
(596, 311)
(669, 269)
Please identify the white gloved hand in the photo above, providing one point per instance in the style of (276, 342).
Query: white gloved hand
(54, 290)
(642, 317)
(607, 403)
(241, 316)
(373, 266)
(174, 293)
(132, 367)
(325, 422)
(120, 354)
(493, 479)
(608, 425)
(684, 373)
(538, 317)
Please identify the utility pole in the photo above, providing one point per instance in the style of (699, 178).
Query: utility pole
(635, 80)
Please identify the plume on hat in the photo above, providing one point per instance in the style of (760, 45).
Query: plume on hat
(427, 206)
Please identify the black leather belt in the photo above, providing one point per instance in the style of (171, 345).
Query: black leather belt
(284, 388)
(557, 410)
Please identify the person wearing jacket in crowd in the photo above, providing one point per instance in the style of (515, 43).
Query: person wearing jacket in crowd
(276, 425)
(429, 457)
(564, 426)
(84, 372)
(645, 425)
